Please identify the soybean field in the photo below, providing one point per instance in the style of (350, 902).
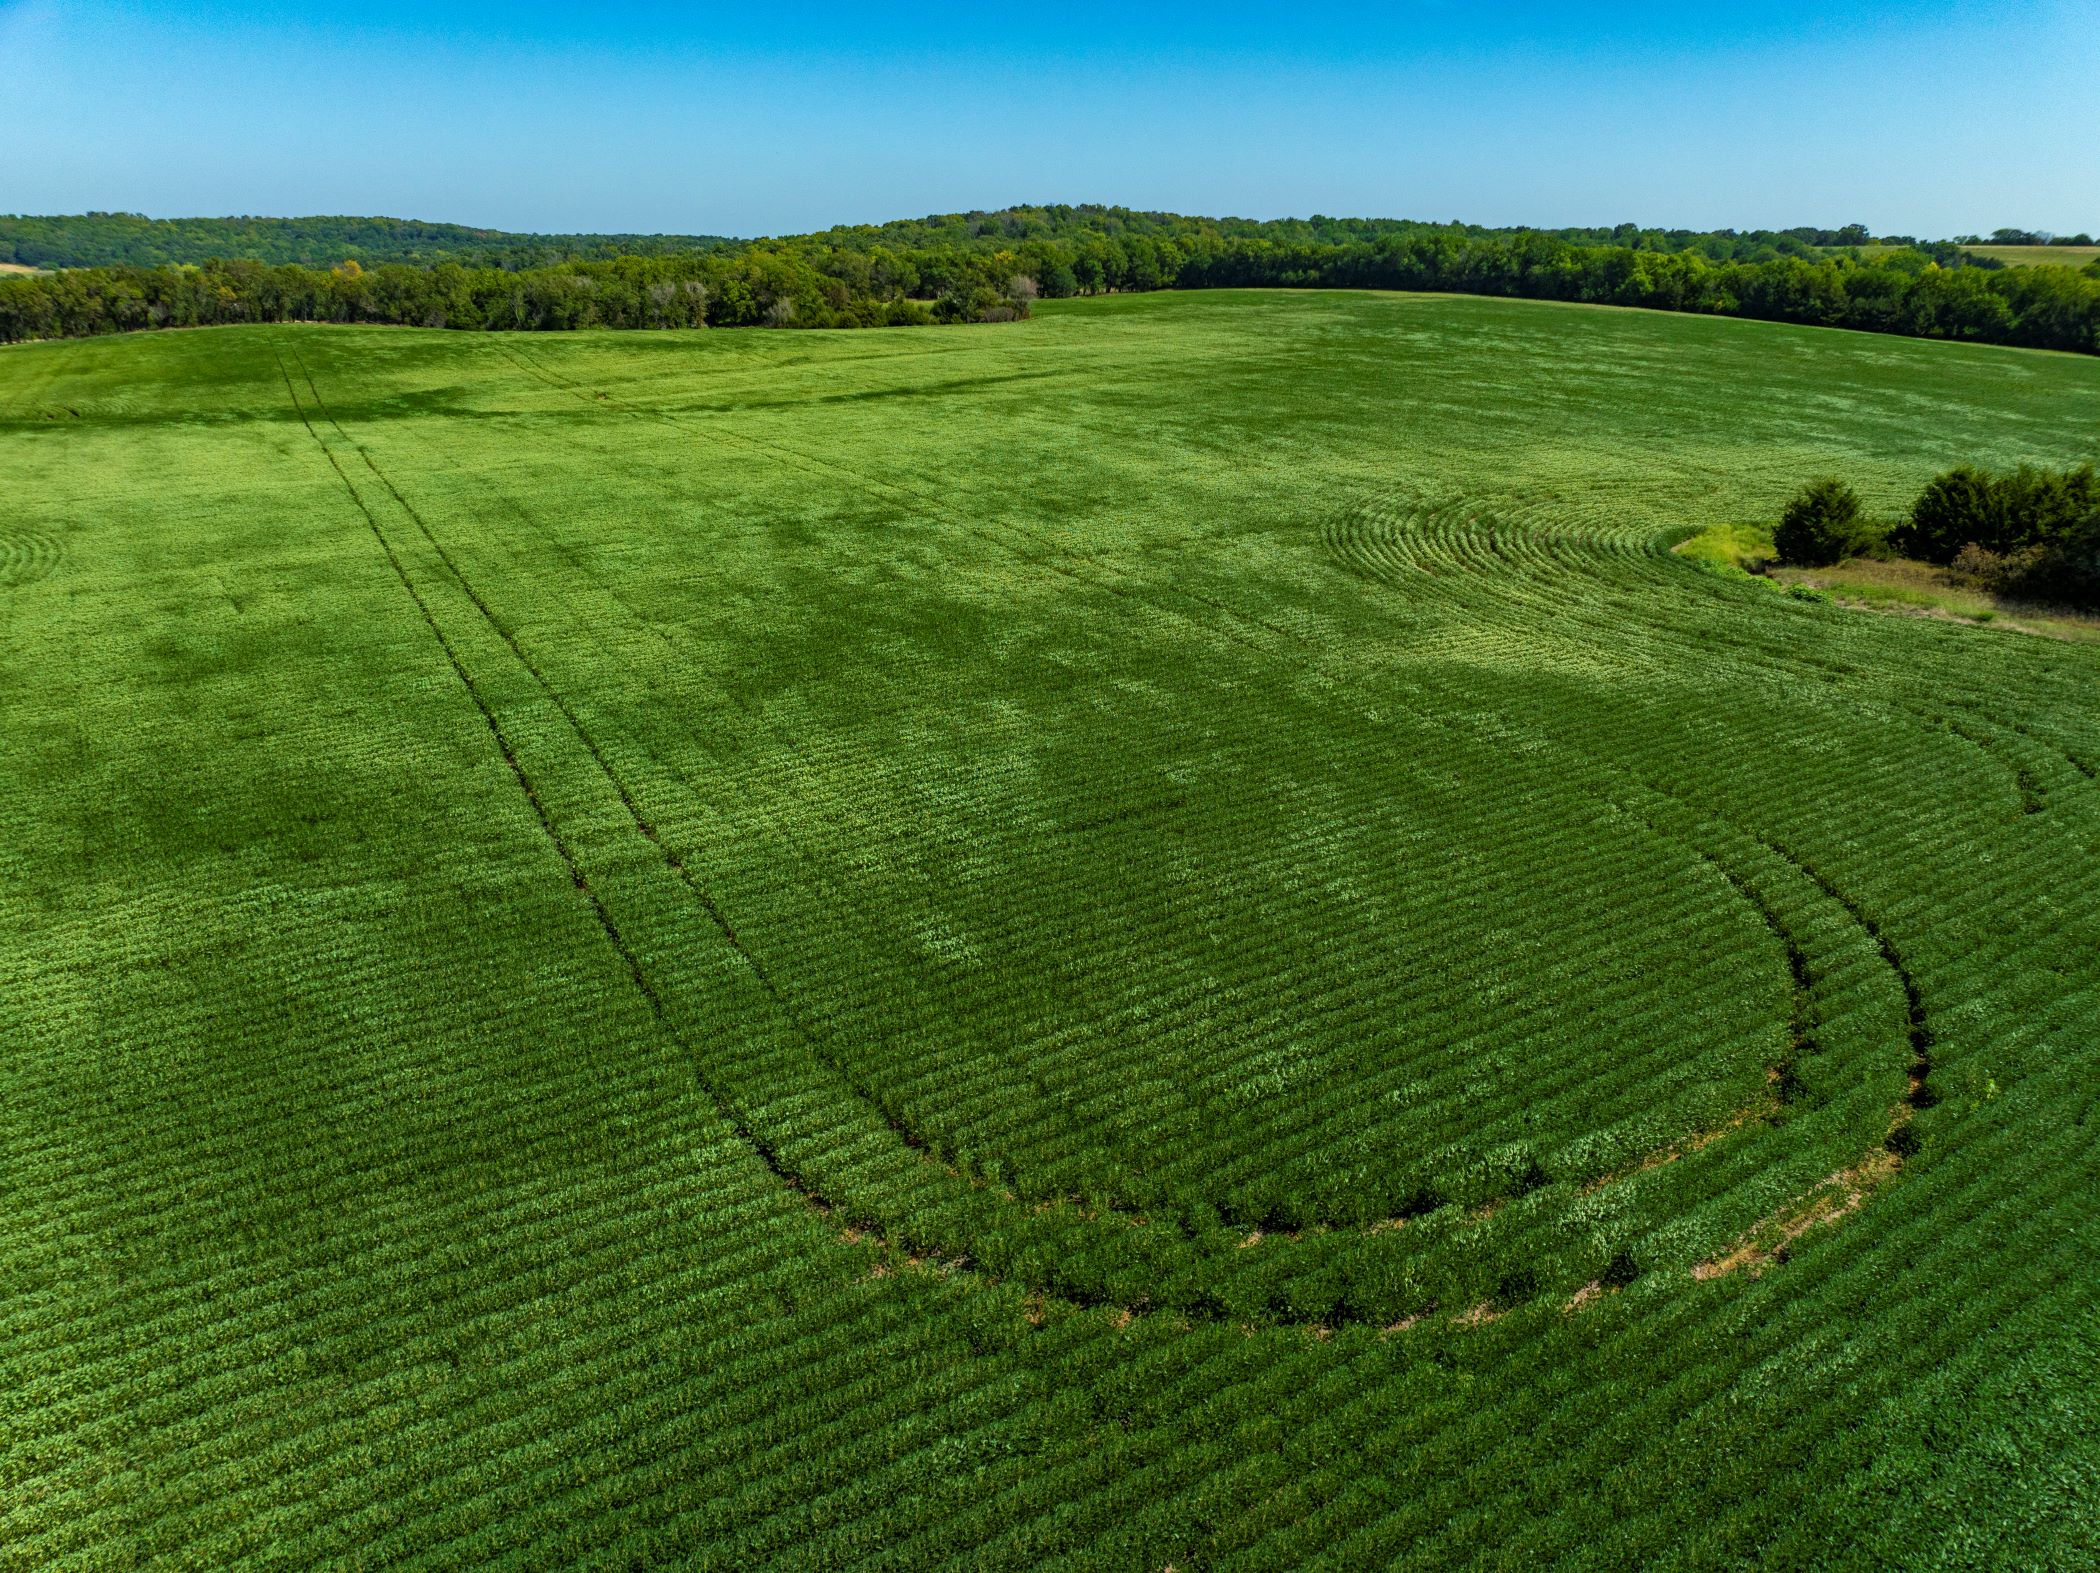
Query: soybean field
(1165, 936)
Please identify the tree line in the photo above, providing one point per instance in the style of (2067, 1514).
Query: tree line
(2024, 237)
(1017, 227)
(132, 240)
(1903, 292)
(747, 289)
(98, 240)
(988, 266)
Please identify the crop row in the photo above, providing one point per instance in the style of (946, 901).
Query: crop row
(371, 1212)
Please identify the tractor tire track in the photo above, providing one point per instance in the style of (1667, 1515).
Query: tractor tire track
(829, 470)
(728, 1106)
(1303, 648)
(1044, 558)
(561, 846)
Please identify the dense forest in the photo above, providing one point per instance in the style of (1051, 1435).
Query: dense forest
(748, 288)
(989, 266)
(96, 240)
(108, 240)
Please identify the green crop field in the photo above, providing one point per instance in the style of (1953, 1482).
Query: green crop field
(2011, 256)
(1169, 935)
(2036, 256)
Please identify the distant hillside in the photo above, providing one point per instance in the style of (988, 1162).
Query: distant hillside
(96, 240)
(2038, 256)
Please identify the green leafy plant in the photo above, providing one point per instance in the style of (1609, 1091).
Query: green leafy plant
(1823, 524)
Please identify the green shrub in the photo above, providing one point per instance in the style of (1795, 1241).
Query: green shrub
(1822, 525)
(2067, 568)
(1957, 509)
(1979, 566)
(2063, 567)
(1998, 514)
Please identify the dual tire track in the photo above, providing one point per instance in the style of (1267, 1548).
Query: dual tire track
(578, 831)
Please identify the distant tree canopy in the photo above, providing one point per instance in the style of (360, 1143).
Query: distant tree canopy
(749, 288)
(88, 240)
(985, 266)
(98, 240)
(2031, 237)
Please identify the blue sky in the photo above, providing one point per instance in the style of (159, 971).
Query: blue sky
(1922, 118)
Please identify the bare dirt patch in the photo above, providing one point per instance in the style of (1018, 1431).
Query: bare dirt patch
(1840, 1194)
